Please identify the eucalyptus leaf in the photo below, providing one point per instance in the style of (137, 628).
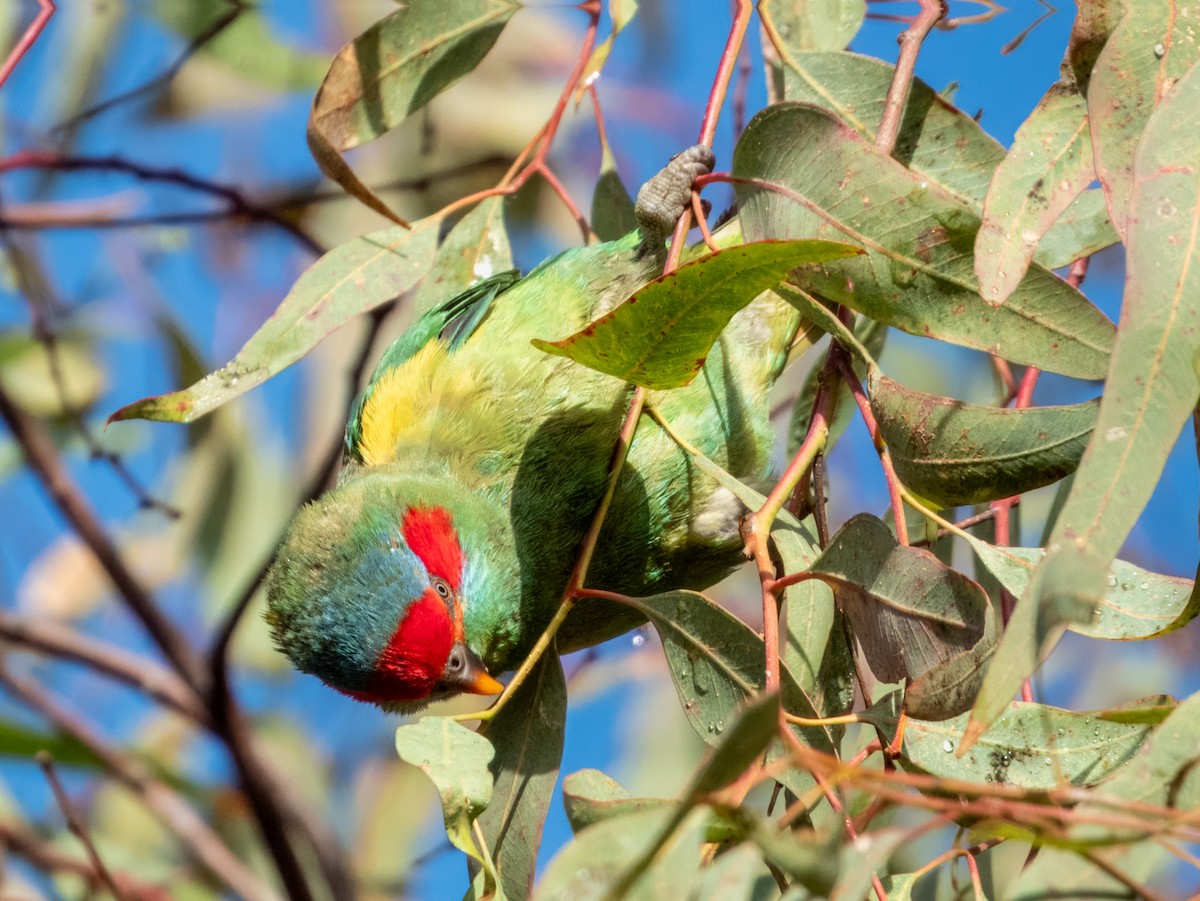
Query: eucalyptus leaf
(393, 69)
(528, 737)
(476, 248)
(1033, 746)
(954, 453)
(911, 613)
(1137, 603)
(456, 760)
(351, 279)
(1151, 48)
(1047, 168)
(660, 337)
(812, 176)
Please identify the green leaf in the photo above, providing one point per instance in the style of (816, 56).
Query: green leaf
(1031, 745)
(1048, 166)
(1137, 603)
(351, 279)
(247, 44)
(393, 69)
(796, 25)
(528, 737)
(1151, 391)
(716, 663)
(808, 611)
(590, 797)
(1151, 48)
(954, 453)
(20, 741)
(1094, 24)
(742, 745)
(621, 12)
(476, 248)
(1061, 592)
(1152, 385)
(1084, 229)
(456, 761)
(588, 867)
(660, 337)
(911, 613)
(613, 215)
(1163, 773)
(937, 141)
(918, 275)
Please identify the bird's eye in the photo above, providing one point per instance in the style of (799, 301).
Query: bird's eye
(456, 662)
(441, 587)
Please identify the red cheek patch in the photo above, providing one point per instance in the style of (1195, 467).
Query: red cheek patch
(430, 535)
(413, 660)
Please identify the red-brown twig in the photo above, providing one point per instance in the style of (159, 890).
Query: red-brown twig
(46, 11)
(51, 859)
(910, 41)
(164, 802)
(885, 459)
(75, 825)
(236, 203)
(43, 459)
(47, 636)
(1002, 509)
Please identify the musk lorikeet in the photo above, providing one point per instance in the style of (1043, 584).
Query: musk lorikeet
(474, 465)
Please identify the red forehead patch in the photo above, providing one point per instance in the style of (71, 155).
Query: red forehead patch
(413, 660)
(430, 534)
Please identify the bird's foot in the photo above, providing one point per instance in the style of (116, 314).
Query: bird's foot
(664, 197)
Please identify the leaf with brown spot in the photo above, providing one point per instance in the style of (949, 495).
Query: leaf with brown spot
(393, 69)
(955, 453)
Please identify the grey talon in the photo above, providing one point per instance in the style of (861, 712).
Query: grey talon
(664, 197)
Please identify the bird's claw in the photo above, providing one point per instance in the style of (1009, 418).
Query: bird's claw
(664, 197)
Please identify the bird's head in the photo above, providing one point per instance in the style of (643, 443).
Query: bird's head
(394, 589)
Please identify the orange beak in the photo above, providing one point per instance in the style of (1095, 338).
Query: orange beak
(483, 684)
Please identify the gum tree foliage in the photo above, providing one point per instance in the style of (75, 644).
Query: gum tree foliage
(881, 711)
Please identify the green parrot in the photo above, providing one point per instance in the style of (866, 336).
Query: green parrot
(475, 463)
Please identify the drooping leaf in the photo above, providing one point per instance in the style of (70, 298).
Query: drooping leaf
(1137, 604)
(911, 613)
(528, 737)
(393, 69)
(1151, 390)
(613, 214)
(918, 275)
(351, 279)
(660, 337)
(955, 453)
(1047, 168)
(476, 248)
(1031, 746)
(456, 760)
(1151, 48)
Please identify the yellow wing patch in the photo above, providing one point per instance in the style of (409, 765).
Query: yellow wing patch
(406, 403)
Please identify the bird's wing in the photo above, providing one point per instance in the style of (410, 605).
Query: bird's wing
(452, 322)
